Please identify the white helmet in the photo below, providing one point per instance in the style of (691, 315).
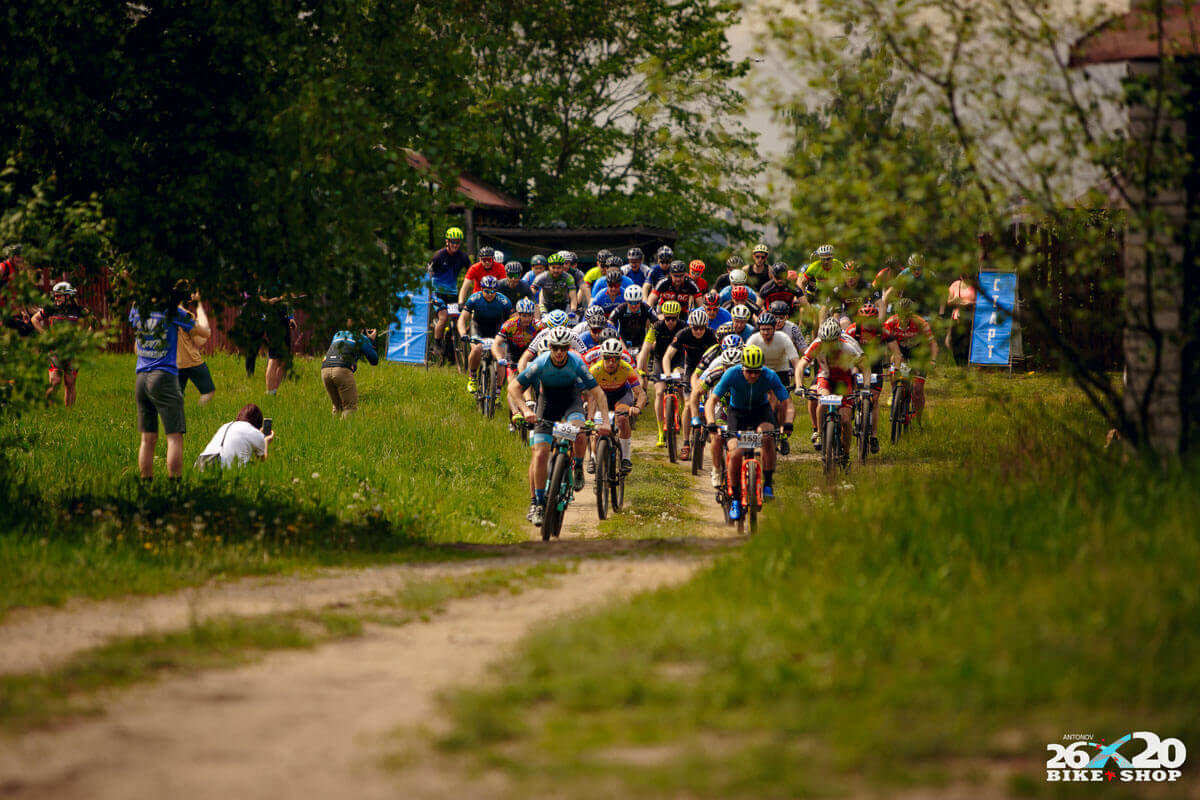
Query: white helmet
(633, 294)
(698, 317)
(737, 277)
(741, 313)
(611, 347)
(62, 287)
(732, 355)
(916, 260)
(830, 331)
(595, 317)
(499, 256)
(825, 251)
(558, 336)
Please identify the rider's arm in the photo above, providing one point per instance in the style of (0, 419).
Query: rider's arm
(647, 346)
(463, 320)
(894, 346)
(651, 298)
(798, 376)
(499, 346)
(596, 397)
(639, 397)
(864, 366)
(667, 356)
(710, 408)
(463, 292)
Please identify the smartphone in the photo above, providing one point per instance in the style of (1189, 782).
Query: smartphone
(266, 428)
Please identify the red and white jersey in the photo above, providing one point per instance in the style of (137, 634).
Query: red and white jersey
(906, 334)
(592, 355)
(839, 356)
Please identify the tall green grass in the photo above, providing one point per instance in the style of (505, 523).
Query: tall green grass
(983, 589)
(417, 466)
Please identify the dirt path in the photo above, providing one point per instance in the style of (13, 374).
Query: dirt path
(303, 723)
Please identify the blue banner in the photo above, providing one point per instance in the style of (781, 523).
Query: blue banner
(407, 337)
(991, 337)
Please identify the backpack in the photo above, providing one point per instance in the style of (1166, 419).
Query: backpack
(206, 459)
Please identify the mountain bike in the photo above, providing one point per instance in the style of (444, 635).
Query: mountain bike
(863, 409)
(751, 478)
(900, 413)
(699, 440)
(673, 404)
(610, 478)
(487, 392)
(560, 481)
(829, 424)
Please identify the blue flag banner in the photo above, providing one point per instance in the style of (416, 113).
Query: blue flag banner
(407, 337)
(991, 337)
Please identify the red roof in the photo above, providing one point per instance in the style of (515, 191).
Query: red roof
(1135, 36)
(479, 193)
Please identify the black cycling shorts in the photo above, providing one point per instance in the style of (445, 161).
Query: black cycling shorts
(738, 419)
(484, 329)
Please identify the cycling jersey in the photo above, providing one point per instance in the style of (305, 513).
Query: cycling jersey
(478, 271)
(445, 269)
(793, 332)
(594, 274)
(640, 276)
(488, 313)
(834, 358)
(910, 284)
(70, 313)
(692, 347)
(658, 272)
(712, 372)
(757, 279)
(624, 376)
(539, 342)
(848, 299)
(683, 293)
(608, 300)
(660, 337)
(727, 297)
(907, 334)
(720, 318)
(554, 293)
(156, 339)
(631, 322)
(514, 292)
(746, 396)
(710, 355)
(601, 286)
(701, 284)
(820, 273)
(593, 355)
(772, 291)
(777, 353)
(347, 348)
(591, 339)
(572, 376)
(519, 336)
(872, 341)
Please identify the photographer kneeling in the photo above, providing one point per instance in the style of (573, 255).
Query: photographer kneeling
(239, 441)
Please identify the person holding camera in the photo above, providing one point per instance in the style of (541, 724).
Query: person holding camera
(235, 443)
(339, 365)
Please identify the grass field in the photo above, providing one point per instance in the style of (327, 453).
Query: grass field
(979, 591)
(415, 468)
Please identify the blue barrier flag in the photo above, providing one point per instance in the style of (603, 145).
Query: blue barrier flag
(408, 336)
(991, 337)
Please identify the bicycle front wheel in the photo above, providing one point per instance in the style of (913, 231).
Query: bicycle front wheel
(552, 521)
(697, 450)
(832, 444)
(603, 454)
(670, 411)
(750, 495)
(897, 411)
(864, 430)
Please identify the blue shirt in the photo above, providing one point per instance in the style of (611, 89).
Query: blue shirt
(528, 277)
(445, 269)
(497, 309)
(746, 396)
(542, 370)
(639, 276)
(720, 319)
(155, 339)
(601, 297)
(658, 273)
(727, 295)
(346, 348)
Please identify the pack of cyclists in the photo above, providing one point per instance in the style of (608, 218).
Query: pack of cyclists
(584, 346)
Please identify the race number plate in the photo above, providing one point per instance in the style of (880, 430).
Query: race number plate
(830, 400)
(452, 308)
(565, 430)
(487, 342)
(749, 440)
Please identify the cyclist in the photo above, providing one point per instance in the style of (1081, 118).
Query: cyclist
(447, 264)
(66, 311)
(677, 286)
(609, 291)
(512, 286)
(696, 272)
(819, 278)
(555, 319)
(583, 291)
(623, 389)
(779, 355)
(632, 318)
(485, 311)
(911, 339)
(693, 341)
(717, 316)
(836, 355)
(664, 258)
(780, 289)
(883, 279)
(564, 382)
(658, 338)
(742, 317)
(754, 398)
(738, 278)
(728, 354)
(555, 288)
(594, 328)
(635, 270)
(537, 265)
(868, 332)
(731, 263)
(514, 338)
(786, 327)
(597, 272)
(909, 283)
(849, 295)
(486, 265)
(758, 274)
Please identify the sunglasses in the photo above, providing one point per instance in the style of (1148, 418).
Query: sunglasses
(559, 348)
(751, 371)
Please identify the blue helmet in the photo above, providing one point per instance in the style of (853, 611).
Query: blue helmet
(556, 318)
(489, 283)
(732, 340)
(525, 306)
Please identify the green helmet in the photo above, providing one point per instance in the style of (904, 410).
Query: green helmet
(557, 258)
(538, 261)
(454, 234)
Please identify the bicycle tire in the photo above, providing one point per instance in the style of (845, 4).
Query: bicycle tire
(864, 430)
(603, 456)
(896, 413)
(832, 444)
(697, 450)
(669, 412)
(618, 487)
(489, 389)
(751, 490)
(552, 520)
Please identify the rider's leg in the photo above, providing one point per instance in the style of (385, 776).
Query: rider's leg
(734, 470)
(918, 387)
(875, 411)
(440, 325)
(812, 413)
(56, 378)
(768, 459)
(69, 384)
(538, 463)
(624, 432)
(475, 357)
(660, 394)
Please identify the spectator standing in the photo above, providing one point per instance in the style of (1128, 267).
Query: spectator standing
(238, 442)
(960, 300)
(65, 311)
(279, 326)
(156, 337)
(340, 364)
(189, 359)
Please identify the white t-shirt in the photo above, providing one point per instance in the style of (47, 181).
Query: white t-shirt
(779, 353)
(243, 442)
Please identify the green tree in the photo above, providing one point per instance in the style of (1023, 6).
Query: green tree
(598, 113)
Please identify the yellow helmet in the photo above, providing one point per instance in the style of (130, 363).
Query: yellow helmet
(752, 357)
(454, 234)
(671, 308)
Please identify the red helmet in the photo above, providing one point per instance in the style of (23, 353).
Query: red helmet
(712, 300)
(696, 267)
(740, 294)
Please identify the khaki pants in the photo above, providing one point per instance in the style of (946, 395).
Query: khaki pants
(343, 391)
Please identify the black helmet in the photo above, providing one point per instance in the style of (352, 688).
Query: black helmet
(678, 268)
(766, 318)
(779, 268)
(486, 252)
(602, 256)
(779, 308)
(514, 269)
(613, 261)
